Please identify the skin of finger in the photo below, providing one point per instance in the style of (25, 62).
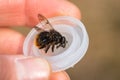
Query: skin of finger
(11, 42)
(59, 76)
(24, 12)
(18, 68)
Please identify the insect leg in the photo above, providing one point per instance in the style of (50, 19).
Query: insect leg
(63, 42)
(42, 46)
(58, 45)
(47, 47)
(53, 45)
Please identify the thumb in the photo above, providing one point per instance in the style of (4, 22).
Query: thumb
(23, 68)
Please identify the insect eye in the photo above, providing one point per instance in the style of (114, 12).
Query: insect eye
(44, 38)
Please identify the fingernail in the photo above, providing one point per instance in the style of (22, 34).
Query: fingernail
(32, 69)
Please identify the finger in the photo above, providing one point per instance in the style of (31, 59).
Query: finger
(22, 68)
(59, 76)
(24, 12)
(11, 42)
(12, 38)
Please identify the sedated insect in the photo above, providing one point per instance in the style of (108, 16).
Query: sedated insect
(48, 38)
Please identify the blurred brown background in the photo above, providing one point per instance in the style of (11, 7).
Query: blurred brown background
(102, 60)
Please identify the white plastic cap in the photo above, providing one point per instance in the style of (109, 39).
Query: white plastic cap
(61, 58)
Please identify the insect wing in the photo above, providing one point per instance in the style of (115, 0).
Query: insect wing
(38, 29)
(45, 23)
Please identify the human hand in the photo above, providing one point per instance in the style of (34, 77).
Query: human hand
(13, 65)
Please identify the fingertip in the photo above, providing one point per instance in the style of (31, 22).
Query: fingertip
(55, 8)
(23, 68)
(24, 12)
(59, 76)
(33, 69)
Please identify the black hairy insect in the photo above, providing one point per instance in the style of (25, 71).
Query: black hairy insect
(48, 38)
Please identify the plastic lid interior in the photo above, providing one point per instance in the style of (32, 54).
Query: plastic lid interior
(62, 58)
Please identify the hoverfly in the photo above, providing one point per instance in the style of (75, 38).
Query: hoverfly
(48, 38)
